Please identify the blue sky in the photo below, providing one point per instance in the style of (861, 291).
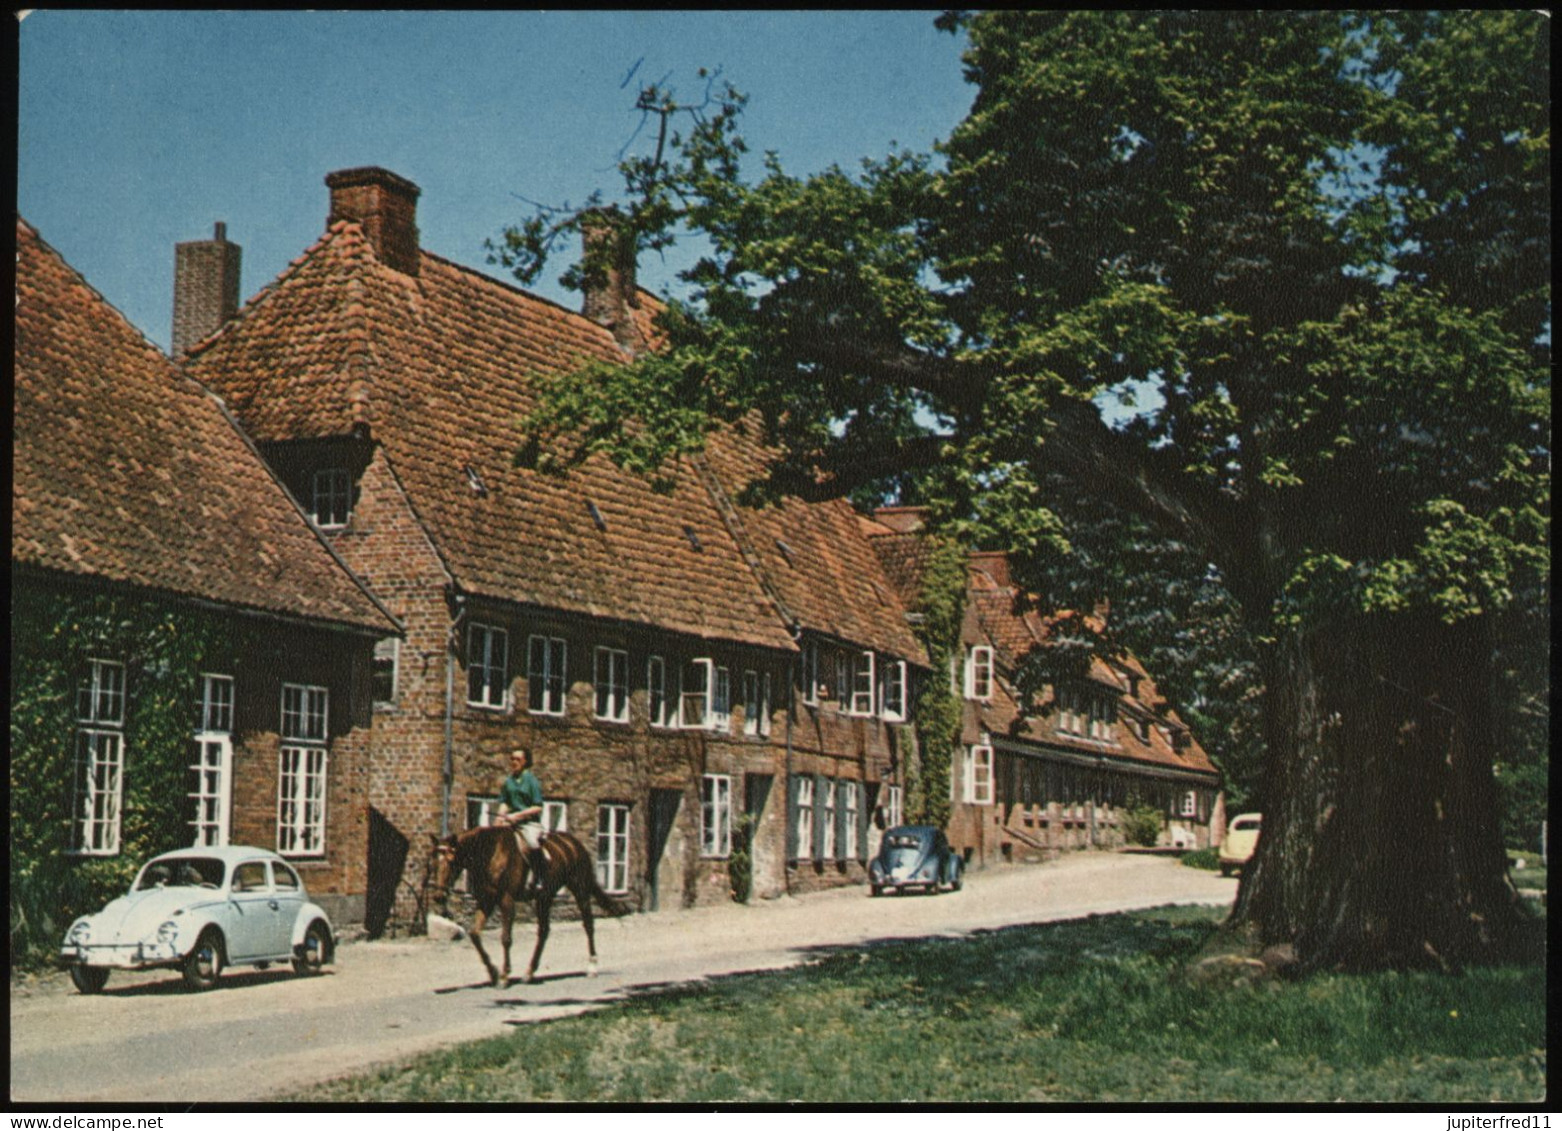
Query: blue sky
(138, 130)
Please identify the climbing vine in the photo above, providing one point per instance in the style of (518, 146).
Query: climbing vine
(55, 636)
(938, 710)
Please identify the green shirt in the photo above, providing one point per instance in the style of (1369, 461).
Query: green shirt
(521, 791)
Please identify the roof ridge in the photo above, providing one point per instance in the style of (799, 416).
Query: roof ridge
(97, 294)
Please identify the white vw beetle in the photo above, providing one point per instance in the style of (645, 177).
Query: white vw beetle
(198, 910)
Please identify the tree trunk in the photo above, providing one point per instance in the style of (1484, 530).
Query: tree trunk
(1381, 845)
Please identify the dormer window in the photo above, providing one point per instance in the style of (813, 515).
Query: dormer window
(863, 684)
(705, 701)
(894, 694)
(979, 672)
(331, 497)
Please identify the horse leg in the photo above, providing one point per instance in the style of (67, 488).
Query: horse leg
(506, 925)
(583, 898)
(544, 909)
(478, 923)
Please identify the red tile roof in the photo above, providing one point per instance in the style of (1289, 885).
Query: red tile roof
(127, 471)
(441, 367)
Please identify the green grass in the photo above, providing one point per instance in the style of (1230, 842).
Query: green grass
(1087, 1011)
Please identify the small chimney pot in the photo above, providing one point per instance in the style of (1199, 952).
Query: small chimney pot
(386, 206)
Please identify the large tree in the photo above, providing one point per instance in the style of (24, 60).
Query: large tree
(1315, 248)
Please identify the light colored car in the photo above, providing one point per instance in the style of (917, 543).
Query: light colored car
(198, 910)
(1241, 839)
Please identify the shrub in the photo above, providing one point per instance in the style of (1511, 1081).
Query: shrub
(1205, 858)
(1142, 825)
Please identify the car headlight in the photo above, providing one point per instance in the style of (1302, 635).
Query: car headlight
(81, 933)
(166, 933)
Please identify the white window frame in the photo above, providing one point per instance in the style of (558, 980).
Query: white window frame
(721, 701)
(387, 649)
(1190, 804)
(756, 703)
(979, 673)
(99, 789)
(893, 806)
(487, 674)
(555, 816)
(978, 775)
(1103, 717)
(893, 706)
(333, 486)
(810, 672)
(864, 689)
(547, 682)
(613, 831)
(716, 815)
(851, 808)
(612, 687)
(213, 762)
(1072, 718)
(827, 821)
(843, 677)
(657, 706)
(303, 770)
(803, 816)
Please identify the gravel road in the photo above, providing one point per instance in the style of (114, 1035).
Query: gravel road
(147, 1040)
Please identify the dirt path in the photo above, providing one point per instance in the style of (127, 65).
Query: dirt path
(259, 1033)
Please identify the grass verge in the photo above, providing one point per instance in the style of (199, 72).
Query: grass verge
(1093, 1010)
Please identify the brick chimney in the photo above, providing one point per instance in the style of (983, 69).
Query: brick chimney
(387, 207)
(206, 287)
(610, 301)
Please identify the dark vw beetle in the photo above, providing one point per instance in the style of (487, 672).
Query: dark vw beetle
(915, 856)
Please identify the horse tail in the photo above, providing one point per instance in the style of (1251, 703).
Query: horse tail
(566, 855)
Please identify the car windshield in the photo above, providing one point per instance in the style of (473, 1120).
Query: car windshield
(182, 872)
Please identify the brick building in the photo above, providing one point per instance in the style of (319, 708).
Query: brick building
(1031, 782)
(676, 661)
(135, 495)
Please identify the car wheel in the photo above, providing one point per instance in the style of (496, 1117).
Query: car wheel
(310, 958)
(203, 965)
(875, 891)
(89, 979)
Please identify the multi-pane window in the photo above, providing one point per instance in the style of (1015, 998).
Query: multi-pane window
(100, 759)
(715, 815)
(613, 847)
(301, 777)
(694, 700)
(210, 776)
(332, 494)
(827, 820)
(803, 817)
(895, 691)
(1103, 718)
(657, 705)
(611, 677)
(849, 816)
(862, 684)
(1190, 804)
(978, 775)
(892, 806)
(545, 683)
(809, 671)
(721, 700)
(979, 672)
(487, 666)
(840, 663)
(383, 672)
(756, 703)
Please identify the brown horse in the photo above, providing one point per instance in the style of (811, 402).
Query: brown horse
(496, 870)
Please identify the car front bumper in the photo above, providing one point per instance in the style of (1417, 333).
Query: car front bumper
(132, 956)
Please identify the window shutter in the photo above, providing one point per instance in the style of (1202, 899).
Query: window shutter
(792, 790)
(864, 811)
(818, 814)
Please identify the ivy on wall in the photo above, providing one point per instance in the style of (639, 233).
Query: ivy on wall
(938, 711)
(55, 634)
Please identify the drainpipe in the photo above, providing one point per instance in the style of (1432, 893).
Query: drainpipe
(786, 786)
(451, 648)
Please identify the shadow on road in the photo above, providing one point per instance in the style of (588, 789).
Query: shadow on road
(174, 985)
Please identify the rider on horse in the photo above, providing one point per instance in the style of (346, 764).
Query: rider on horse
(520, 808)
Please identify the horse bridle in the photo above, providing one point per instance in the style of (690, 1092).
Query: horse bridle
(446, 853)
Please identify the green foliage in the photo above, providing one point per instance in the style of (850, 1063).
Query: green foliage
(1142, 825)
(740, 865)
(54, 636)
(1204, 859)
(938, 711)
(1088, 1011)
